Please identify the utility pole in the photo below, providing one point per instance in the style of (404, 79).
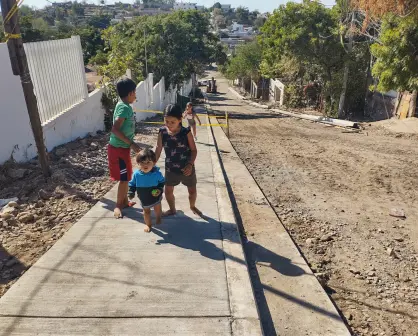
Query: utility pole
(20, 68)
(341, 105)
(146, 57)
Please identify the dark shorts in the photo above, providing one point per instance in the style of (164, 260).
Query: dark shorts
(120, 165)
(152, 205)
(174, 179)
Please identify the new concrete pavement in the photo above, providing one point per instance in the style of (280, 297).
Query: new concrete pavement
(108, 277)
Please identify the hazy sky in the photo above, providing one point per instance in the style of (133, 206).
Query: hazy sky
(263, 5)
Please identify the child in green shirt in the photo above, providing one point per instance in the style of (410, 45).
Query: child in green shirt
(122, 141)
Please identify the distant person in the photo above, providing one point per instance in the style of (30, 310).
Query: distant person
(148, 183)
(121, 142)
(181, 152)
(191, 116)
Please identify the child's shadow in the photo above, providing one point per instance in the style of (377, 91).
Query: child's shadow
(188, 233)
(206, 238)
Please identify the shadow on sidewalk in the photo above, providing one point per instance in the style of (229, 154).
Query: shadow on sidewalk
(204, 237)
(38, 286)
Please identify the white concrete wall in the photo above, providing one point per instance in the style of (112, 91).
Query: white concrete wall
(144, 99)
(15, 132)
(186, 88)
(152, 98)
(276, 84)
(77, 122)
(170, 96)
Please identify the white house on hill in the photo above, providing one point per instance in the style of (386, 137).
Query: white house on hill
(184, 6)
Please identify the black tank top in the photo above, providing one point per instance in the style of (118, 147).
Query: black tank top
(177, 150)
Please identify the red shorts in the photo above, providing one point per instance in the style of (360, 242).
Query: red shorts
(120, 165)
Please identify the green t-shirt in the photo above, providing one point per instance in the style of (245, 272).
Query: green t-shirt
(125, 111)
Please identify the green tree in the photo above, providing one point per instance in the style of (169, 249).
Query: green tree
(48, 14)
(77, 9)
(29, 33)
(242, 14)
(307, 34)
(217, 5)
(25, 10)
(99, 21)
(217, 11)
(2, 37)
(252, 17)
(60, 14)
(246, 62)
(397, 56)
(91, 42)
(259, 22)
(178, 45)
(40, 24)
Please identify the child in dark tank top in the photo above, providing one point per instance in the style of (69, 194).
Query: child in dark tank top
(180, 150)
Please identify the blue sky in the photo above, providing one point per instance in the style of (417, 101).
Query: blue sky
(263, 5)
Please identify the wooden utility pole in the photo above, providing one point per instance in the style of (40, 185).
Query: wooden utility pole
(20, 68)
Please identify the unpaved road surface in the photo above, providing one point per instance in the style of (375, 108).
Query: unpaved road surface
(334, 192)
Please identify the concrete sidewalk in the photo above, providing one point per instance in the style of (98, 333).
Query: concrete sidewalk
(108, 277)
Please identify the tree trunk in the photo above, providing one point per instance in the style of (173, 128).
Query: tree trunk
(369, 80)
(413, 104)
(341, 105)
(341, 111)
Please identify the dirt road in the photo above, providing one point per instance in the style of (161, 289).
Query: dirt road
(334, 192)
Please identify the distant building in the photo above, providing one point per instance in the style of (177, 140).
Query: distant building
(184, 5)
(226, 8)
(151, 11)
(240, 31)
(236, 27)
(119, 18)
(263, 15)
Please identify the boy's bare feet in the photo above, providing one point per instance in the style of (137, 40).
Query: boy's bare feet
(147, 228)
(196, 211)
(117, 213)
(169, 213)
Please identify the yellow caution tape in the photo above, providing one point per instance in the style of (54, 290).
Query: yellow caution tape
(162, 123)
(12, 11)
(149, 111)
(159, 112)
(12, 36)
